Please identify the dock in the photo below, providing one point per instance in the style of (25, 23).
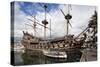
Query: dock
(89, 55)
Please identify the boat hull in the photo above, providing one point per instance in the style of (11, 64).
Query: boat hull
(55, 54)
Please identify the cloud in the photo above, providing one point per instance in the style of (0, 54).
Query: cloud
(20, 19)
(80, 16)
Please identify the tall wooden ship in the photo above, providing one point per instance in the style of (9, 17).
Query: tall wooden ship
(56, 47)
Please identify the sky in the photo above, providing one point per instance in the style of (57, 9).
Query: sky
(24, 10)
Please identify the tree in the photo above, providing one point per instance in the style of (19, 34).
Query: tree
(93, 25)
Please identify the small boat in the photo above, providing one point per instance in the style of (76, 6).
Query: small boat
(55, 54)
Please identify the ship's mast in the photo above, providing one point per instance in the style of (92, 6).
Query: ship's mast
(50, 28)
(36, 22)
(34, 25)
(45, 22)
(68, 17)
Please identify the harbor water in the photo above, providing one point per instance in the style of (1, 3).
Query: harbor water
(37, 57)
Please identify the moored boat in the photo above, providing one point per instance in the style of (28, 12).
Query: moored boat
(54, 54)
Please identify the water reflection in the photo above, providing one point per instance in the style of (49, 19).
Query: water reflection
(37, 57)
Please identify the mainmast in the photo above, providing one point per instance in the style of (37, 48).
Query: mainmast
(45, 22)
(68, 17)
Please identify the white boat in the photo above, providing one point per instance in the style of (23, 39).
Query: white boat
(55, 54)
